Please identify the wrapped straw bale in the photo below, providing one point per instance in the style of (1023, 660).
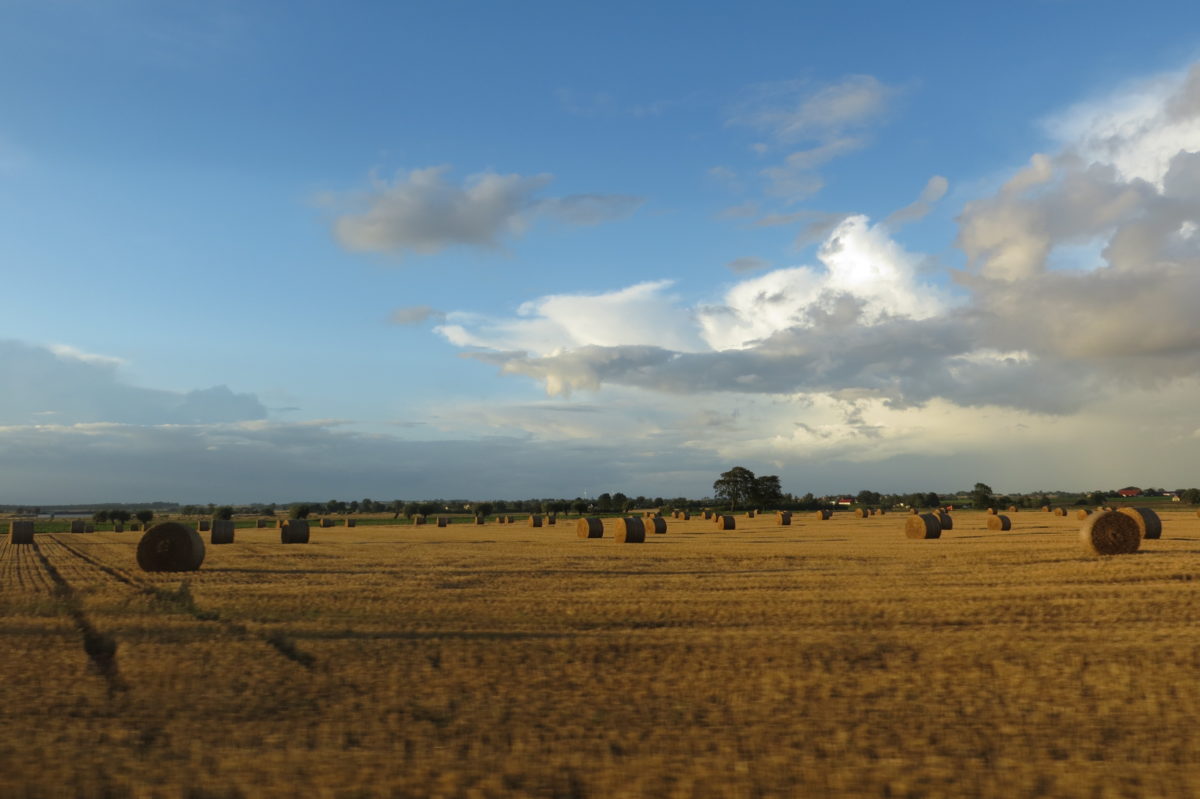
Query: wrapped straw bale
(783, 518)
(20, 531)
(222, 531)
(657, 525)
(590, 527)
(294, 531)
(1149, 525)
(999, 523)
(924, 525)
(630, 530)
(724, 522)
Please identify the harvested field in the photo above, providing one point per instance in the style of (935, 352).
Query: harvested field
(823, 658)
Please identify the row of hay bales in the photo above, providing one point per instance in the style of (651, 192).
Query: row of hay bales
(626, 529)
(1108, 532)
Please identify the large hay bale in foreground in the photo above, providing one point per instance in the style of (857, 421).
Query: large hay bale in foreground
(222, 531)
(1110, 533)
(535, 521)
(294, 531)
(590, 527)
(999, 523)
(724, 522)
(783, 518)
(20, 531)
(944, 519)
(861, 513)
(630, 530)
(205, 525)
(823, 515)
(1149, 525)
(657, 525)
(1060, 511)
(925, 525)
(1082, 513)
(170, 547)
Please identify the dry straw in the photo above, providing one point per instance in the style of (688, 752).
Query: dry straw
(944, 519)
(990, 511)
(783, 518)
(1149, 525)
(684, 516)
(170, 547)
(535, 521)
(20, 532)
(1110, 533)
(630, 530)
(657, 525)
(999, 523)
(222, 532)
(589, 528)
(1082, 513)
(924, 525)
(724, 522)
(294, 531)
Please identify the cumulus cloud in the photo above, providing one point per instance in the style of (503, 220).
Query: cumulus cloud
(415, 315)
(64, 385)
(422, 213)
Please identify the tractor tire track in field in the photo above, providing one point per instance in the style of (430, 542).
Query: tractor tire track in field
(100, 648)
(181, 601)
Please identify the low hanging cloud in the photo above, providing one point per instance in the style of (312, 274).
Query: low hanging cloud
(1022, 331)
(64, 385)
(421, 213)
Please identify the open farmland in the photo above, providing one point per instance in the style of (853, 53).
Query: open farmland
(825, 658)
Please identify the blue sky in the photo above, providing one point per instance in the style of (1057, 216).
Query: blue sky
(263, 251)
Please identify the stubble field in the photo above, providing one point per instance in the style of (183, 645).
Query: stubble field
(832, 658)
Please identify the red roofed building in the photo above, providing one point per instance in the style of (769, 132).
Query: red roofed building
(1130, 492)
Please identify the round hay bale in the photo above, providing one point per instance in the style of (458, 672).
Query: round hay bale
(118, 527)
(1013, 509)
(630, 530)
(823, 515)
(170, 547)
(222, 532)
(351, 522)
(499, 520)
(999, 523)
(1110, 533)
(279, 523)
(990, 511)
(589, 528)
(479, 520)
(944, 519)
(1045, 509)
(552, 519)
(535, 521)
(709, 514)
(882, 512)
(327, 522)
(1082, 513)
(684, 516)
(783, 518)
(861, 513)
(925, 525)
(205, 525)
(20, 532)
(260, 524)
(749, 514)
(657, 525)
(294, 531)
(418, 519)
(1149, 525)
(724, 522)
(1060, 511)
(442, 521)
